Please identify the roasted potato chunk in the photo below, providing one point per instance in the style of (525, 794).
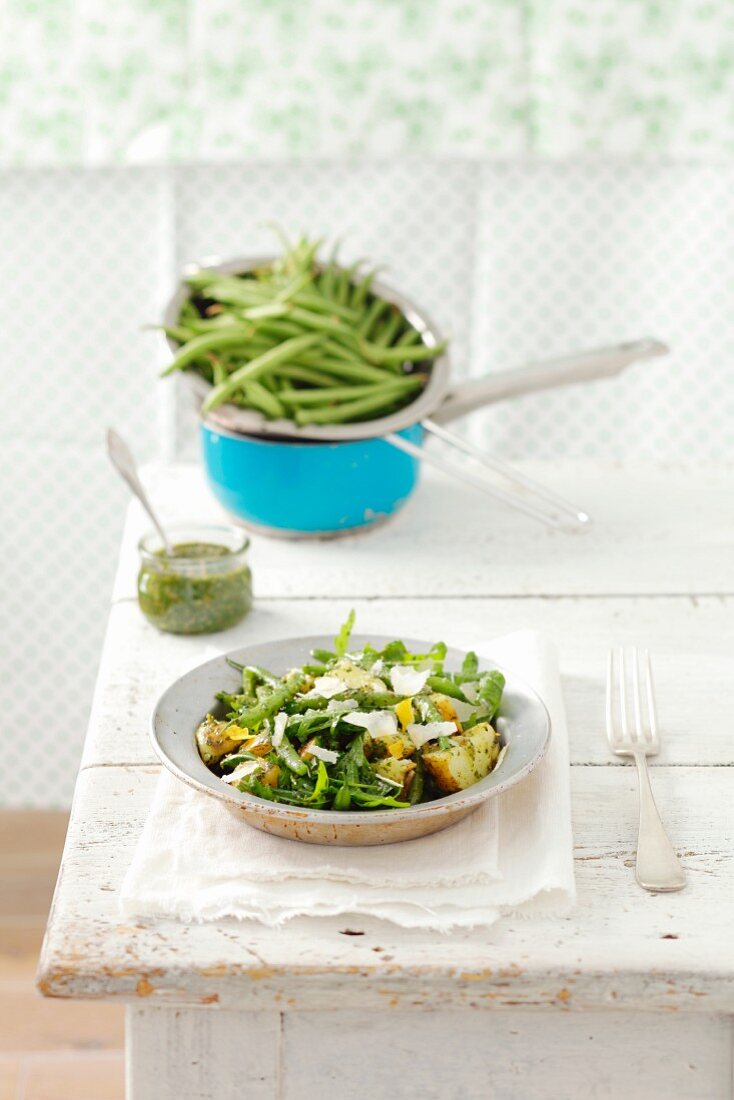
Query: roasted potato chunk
(469, 757)
(214, 741)
(400, 771)
(446, 709)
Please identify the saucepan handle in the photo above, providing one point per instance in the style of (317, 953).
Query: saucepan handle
(582, 367)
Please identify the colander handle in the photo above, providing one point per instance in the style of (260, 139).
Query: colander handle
(582, 367)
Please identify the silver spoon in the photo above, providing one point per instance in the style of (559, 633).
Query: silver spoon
(124, 462)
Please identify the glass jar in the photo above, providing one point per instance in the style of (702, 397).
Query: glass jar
(205, 587)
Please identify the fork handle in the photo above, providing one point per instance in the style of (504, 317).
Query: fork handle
(658, 867)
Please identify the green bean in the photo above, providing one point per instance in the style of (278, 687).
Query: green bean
(212, 341)
(249, 372)
(319, 321)
(343, 393)
(267, 382)
(351, 410)
(328, 274)
(253, 717)
(306, 252)
(415, 790)
(339, 353)
(297, 283)
(361, 289)
(180, 333)
(259, 397)
(200, 325)
(234, 291)
(188, 312)
(277, 329)
(375, 354)
(292, 372)
(387, 332)
(267, 309)
(342, 798)
(314, 702)
(248, 683)
(317, 303)
(218, 370)
(201, 278)
(375, 311)
(410, 336)
(341, 289)
(286, 752)
(358, 372)
(264, 675)
(445, 686)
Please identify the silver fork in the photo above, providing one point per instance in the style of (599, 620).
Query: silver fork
(658, 867)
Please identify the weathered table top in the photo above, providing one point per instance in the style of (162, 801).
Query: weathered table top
(656, 570)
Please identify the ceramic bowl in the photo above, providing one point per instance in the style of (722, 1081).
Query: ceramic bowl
(526, 731)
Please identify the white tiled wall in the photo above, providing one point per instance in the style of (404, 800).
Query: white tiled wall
(585, 255)
(514, 261)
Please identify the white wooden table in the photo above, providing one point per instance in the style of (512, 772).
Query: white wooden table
(631, 996)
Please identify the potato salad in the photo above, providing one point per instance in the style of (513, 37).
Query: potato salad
(358, 729)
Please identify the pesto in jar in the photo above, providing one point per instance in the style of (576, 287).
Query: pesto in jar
(203, 588)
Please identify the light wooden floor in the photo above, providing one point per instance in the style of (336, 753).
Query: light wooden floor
(49, 1050)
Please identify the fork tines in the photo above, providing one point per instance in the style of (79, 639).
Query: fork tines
(631, 716)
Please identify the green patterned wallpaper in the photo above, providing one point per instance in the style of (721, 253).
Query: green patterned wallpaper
(93, 82)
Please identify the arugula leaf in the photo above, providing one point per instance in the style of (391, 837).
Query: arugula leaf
(444, 743)
(395, 652)
(322, 782)
(371, 801)
(470, 667)
(491, 686)
(352, 765)
(368, 657)
(342, 639)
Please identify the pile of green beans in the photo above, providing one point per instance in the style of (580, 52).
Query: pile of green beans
(300, 340)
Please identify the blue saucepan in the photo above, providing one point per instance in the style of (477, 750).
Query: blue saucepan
(324, 481)
(295, 489)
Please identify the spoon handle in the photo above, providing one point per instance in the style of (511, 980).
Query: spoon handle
(124, 463)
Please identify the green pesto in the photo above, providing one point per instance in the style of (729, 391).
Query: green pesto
(201, 602)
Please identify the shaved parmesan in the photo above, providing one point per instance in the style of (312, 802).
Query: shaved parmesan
(429, 732)
(387, 779)
(327, 687)
(408, 681)
(249, 767)
(378, 667)
(500, 758)
(463, 710)
(337, 706)
(281, 721)
(343, 676)
(471, 691)
(327, 755)
(378, 723)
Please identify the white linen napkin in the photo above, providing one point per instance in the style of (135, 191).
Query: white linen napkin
(198, 860)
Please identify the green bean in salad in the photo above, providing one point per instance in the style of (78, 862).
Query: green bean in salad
(318, 326)
(356, 729)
